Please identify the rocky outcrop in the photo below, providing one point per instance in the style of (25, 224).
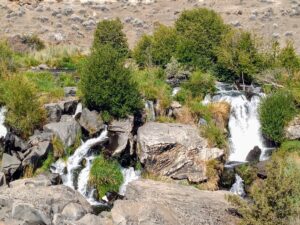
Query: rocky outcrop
(292, 131)
(120, 136)
(10, 164)
(35, 201)
(91, 121)
(254, 155)
(175, 150)
(66, 130)
(154, 203)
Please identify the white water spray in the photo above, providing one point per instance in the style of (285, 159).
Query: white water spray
(129, 175)
(238, 187)
(3, 130)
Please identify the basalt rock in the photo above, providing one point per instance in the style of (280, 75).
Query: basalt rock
(91, 121)
(10, 164)
(175, 151)
(254, 155)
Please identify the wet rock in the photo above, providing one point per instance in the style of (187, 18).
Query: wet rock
(91, 121)
(121, 136)
(227, 178)
(66, 131)
(254, 155)
(175, 150)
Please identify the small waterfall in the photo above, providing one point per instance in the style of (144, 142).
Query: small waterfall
(149, 106)
(175, 91)
(238, 187)
(3, 130)
(129, 175)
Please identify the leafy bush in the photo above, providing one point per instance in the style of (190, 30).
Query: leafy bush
(289, 59)
(158, 48)
(106, 85)
(200, 32)
(275, 200)
(151, 84)
(214, 135)
(109, 32)
(20, 97)
(105, 175)
(239, 54)
(275, 111)
(200, 84)
(33, 41)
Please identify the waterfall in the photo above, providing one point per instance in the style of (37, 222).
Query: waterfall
(244, 125)
(238, 187)
(3, 130)
(149, 106)
(77, 179)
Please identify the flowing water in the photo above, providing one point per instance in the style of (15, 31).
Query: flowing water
(75, 175)
(3, 130)
(244, 125)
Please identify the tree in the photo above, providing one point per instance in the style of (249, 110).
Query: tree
(238, 53)
(289, 59)
(109, 32)
(142, 51)
(106, 84)
(200, 32)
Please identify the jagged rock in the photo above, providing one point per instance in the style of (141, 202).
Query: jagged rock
(66, 131)
(54, 112)
(37, 153)
(2, 179)
(70, 91)
(34, 200)
(254, 155)
(175, 150)
(10, 164)
(69, 105)
(13, 142)
(91, 121)
(152, 203)
(292, 131)
(121, 135)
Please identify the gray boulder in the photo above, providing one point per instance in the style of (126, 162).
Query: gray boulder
(91, 121)
(292, 131)
(175, 150)
(2, 179)
(73, 211)
(121, 136)
(154, 203)
(70, 91)
(66, 131)
(10, 164)
(54, 112)
(37, 153)
(254, 155)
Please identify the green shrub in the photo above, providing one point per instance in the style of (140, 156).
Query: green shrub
(20, 97)
(151, 84)
(200, 32)
(109, 32)
(289, 146)
(200, 84)
(7, 63)
(105, 175)
(46, 164)
(275, 111)
(275, 200)
(158, 48)
(214, 135)
(289, 59)
(238, 53)
(106, 85)
(33, 41)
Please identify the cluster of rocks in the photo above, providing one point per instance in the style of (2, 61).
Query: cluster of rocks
(38, 201)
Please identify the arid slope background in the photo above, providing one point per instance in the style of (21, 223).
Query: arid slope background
(73, 21)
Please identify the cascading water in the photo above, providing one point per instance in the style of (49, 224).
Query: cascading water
(79, 181)
(244, 125)
(149, 106)
(3, 130)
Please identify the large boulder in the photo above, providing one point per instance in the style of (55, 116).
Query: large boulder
(91, 121)
(37, 153)
(35, 201)
(292, 131)
(54, 112)
(120, 135)
(67, 131)
(254, 155)
(175, 150)
(153, 203)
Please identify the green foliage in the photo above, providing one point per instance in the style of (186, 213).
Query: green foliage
(106, 85)
(25, 112)
(275, 200)
(200, 32)
(33, 41)
(46, 164)
(158, 48)
(275, 111)
(109, 32)
(247, 172)
(58, 147)
(151, 84)
(289, 59)
(105, 175)
(238, 55)
(7, 63)
(200, 84)
(290, 146)
(214, 135)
